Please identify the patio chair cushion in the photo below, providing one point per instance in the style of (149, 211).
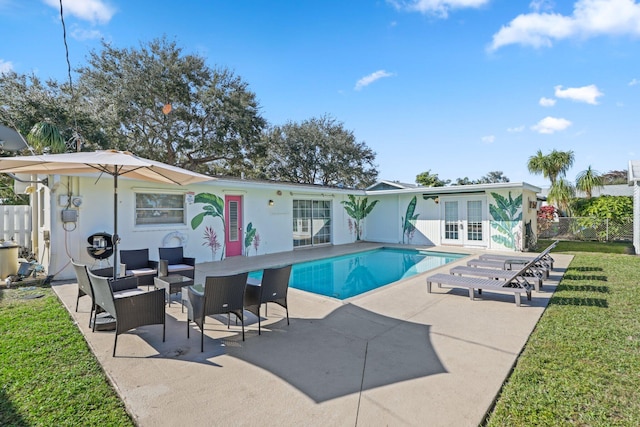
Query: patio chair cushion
(174, 268)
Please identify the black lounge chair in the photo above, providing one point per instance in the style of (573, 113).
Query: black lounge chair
(273, 288)
(84, 284)
(137, 263)
(131, 309)
(176, 262)
(221, 295)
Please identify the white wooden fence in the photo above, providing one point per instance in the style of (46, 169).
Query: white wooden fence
(15, 224)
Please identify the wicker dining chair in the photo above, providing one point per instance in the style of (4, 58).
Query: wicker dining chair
(273, 288)
(221, 295)
(130, 310)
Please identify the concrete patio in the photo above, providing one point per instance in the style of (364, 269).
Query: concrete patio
(394, 356)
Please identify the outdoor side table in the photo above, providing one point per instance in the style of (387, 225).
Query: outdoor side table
(171, 284)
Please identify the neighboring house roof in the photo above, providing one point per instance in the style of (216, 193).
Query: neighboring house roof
(457, 189)
(390, 185)
(634, 171)
(607, 190)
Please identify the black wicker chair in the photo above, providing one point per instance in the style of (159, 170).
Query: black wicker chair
(137, 263)
(84, 286)
(221, 295)
(177, 263)
(130, 311)
(273, 288)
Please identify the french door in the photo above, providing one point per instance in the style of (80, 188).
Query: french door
(464, 222)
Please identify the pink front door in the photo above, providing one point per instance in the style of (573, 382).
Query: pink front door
(233, 225)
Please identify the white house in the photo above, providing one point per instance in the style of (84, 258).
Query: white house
(236, 217)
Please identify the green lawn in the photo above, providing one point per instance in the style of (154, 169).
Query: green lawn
(48, 375)
(581, 365)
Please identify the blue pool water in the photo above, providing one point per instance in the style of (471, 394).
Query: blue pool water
(349, 275)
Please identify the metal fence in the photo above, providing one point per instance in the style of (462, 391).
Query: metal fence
(586, 228)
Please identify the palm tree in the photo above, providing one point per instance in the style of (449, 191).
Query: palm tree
(589, 179)
(560, 194)
(45, 137)
(552, 166)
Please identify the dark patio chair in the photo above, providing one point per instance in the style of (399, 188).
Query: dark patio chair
(221, 295)
(177, 263)
(130, 310)
(84, 284)
(137, 263)
(273, 288)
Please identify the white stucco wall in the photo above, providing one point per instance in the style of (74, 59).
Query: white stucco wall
(95, 214)
(273, 223)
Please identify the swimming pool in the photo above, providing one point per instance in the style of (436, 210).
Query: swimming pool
(349, 275)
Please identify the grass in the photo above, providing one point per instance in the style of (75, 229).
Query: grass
(581, 365)
(588, 246)
(48, 375)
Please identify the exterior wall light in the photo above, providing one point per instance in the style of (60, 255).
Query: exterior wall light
(270, 202)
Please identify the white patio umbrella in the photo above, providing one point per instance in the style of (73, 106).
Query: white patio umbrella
(112, 162)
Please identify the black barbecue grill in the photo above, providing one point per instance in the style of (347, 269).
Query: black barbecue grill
(101, 246)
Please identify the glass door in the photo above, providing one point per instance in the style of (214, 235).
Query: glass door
(464, 221)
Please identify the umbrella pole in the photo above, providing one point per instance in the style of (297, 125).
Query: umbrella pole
(116, 265)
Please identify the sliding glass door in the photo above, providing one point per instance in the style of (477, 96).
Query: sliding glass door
(311, 222)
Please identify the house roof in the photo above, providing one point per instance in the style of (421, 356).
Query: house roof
(458, 189)
(390, 185)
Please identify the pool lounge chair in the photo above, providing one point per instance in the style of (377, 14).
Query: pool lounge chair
(496, 274)
(543, 256)
(516, 284)
(535, 266)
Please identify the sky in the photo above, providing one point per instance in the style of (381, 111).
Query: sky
(455, 87)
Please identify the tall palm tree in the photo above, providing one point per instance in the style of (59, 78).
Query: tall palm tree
(552, 166)
(560, 194)
(589, 179)
(559, 163)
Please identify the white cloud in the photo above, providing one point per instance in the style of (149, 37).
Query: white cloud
(538, 5)
(439, 8)
(82, 34)
(516, 129)
(547, 102)
(634, 82)
(588, 94)
(590, 18)
(489, 139)
(367, 80)
(550, 125)
(94, 11)
(5, 66)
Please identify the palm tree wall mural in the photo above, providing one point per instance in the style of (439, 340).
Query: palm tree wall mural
(506, 216)
(358, 209)
(409, 220)
(213, 207)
